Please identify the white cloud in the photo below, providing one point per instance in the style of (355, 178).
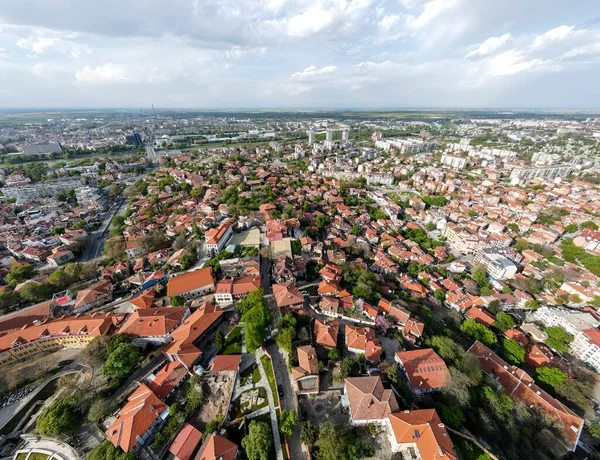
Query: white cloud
(107, 73)
(488, 46)
(312, 71)
(559, 33)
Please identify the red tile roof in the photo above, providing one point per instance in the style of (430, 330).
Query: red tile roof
(135, 418)
(368, 399)
(217, 447)
(168, 378)
(520, 386)
(286, 294)
(425, 429)
(25, 316)
(326, 333)
(190, 281)
(424, 368)
(186, 442)
(223, 363)
(153, 322)
(364, 339)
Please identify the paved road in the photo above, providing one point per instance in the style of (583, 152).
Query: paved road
(96, 245)
(272, 407)
(288, 402)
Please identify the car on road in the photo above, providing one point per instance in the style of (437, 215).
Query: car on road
(280, 391)
(65, 362)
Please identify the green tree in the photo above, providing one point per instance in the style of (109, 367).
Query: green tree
(220, 339)
(121, 362)
(308, 433)
(571, 228)
(117, 340)
(480, 276)
(8, 299)
(107, 451)
(479, 332)
(255, 336)
(453, 416)
(503, 321)
(288, 421)
(332, 445)
(513, 352)
(472, 213)
(551, 377)
(194, 396)
(348, 368)
(594, 430)
(589, 224)
(558, 339)
(60, 280)
(334, 354)
(57, 419)
(322, 221)
(177, 301)
(258, 442)
(447, 348)
(35, 292)
(96, 352)
(514, 227)
(211, 427)
(440, 295)
(19, 274)
(494, 307)
(532, 305)
(285, 338)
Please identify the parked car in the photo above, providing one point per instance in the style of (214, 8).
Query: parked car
(66, 362)
(280, 391)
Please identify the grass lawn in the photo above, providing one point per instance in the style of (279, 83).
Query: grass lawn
(233, 342)
(38, 456)
(21, 456)
(266, 362)
(250, 375)
(244, 409)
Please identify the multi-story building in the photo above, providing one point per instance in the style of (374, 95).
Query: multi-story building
(526, 173)
(217, 238)
(233, 289)
(571, 320)
(424, 370)
(24, 193)
(453, 161)
(586, 346)
(497, 266)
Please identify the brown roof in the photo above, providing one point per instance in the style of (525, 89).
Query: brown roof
(168, 378)
(217, 447)
(520, 386)
(190, 281)
(368, 399)
(425, 429)
(153, 322)
(364, 339)
(94, 293)
(186, 442)
(424, 368)
(25, 316)
(326, 333)
(287, 294)
(226, 363)
(135, 418)
(308, 364)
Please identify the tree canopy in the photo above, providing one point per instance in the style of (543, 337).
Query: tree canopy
(258, 442)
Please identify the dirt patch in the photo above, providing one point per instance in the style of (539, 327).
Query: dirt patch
(217, 388)
(17, 374)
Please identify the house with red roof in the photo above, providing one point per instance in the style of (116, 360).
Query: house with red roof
(167, 379)
(362, 340)
(186, 442)
(142, 416)
(216, 447)
(200, 323)
(287, 295)
(192, 284)
(231, 290)
(368, 401)
(326, 333)
(517, 384)
(420, 434)
(424, 370)
(481, 316)
(306, 374)
(154, 325)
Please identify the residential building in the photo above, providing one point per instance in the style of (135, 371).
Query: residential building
(586, 346)
(306, 374)
(138, 420)
(154, 325)
(185, 443)
(368, 401)
(496, 265)
(326, 333)
(95, 295)
(362, 340)
(520, 386)
(170, 376)
(420, 434)
(424, 370)
(216, 447)
(453, 161)
(192, 284)
(231, 290)
(287, 295)
(217, 238)
(572, 321)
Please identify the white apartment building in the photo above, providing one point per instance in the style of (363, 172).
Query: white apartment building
(497, 266)
(586, 346)
(217, 238)
(549, 172)
(571, 320)
(453, 161)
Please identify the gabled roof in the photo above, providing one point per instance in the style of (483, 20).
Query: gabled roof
(424, 368)
(135, 418)
(307, 362)
(153, 322)
(364, 339)
(287, 294)
(94, 293)
(168, 378)
(224, 363)
(217, 447)
(190, 281)
(425, 429)
(326, 333)
(519, 385)
(368, 399)
(186, 442)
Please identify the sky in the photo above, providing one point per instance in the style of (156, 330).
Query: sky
(300, 53)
